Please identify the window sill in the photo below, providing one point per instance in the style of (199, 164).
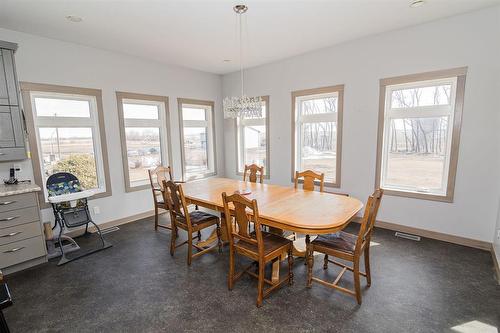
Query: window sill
(205, 175)
(136, 188)
(418, 195)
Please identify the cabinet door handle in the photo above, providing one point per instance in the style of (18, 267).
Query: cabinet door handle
(9, 218)
(14, 249)
(2, 154)
(5, 203)
(12, 234)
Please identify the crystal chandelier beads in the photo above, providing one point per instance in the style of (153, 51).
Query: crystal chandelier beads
(244, 106)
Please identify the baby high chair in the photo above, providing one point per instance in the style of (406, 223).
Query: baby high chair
(69, 202)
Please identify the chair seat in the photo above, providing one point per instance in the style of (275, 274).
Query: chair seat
(198, 217)
(342, 241)
(272, 243)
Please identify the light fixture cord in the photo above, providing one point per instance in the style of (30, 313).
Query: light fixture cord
(241, 52)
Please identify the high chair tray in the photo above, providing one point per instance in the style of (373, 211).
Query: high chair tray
(71, 196)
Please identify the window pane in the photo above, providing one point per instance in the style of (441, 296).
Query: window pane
(255, 145)
(193, 113)
(140, 111)
(423, 96)
(319, 105)
(143, 152)
(56, 107)
(319, 146)
(195, 148)
(69, 150)
(417, 149)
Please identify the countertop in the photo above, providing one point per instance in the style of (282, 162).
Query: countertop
(6, 190)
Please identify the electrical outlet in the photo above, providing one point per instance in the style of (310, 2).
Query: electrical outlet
(96, 210)
(498, 234)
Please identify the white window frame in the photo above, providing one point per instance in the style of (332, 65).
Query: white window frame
(298, 120)
(31, 91)
(455, 78)
(241, 123)
(208, 123)
(161, 102)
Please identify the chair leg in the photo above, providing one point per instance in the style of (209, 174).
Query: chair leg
(219, 241)
(357, 285)
(230, 278)
(310, 263)
(290, 266)
(173, 237)
(156, 218)
(367, 266)
(260, 292)
(325, 264)
(190, 248)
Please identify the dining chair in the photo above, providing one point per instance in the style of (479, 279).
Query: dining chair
(156, 178)
(308, 177)
(348, 247)
(260, 246)
(252, 171)
(195, 221)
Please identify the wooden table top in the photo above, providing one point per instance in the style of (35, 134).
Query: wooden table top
(286, 208)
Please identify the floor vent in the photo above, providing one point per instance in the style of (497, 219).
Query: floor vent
(108, 230)
(407, 236)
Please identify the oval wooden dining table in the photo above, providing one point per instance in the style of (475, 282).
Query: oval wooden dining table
(281, 208)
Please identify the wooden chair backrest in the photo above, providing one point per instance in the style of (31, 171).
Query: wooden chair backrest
(243, 210)
(158, 175)
(252, 171)
(309, 177)
(177, 206)
(368, 220)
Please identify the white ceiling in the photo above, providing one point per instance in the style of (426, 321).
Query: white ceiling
(200, 34)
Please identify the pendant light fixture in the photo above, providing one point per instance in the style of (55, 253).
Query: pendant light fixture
(242, 106)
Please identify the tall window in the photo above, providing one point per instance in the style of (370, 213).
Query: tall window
(317, 132)
(419, 133)
(67, 134)
(197, 137)
(144, 136)
(252, 139)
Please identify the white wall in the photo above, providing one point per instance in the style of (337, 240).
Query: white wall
(43, 60)
(471, 40)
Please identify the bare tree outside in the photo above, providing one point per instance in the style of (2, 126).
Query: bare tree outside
(319, 139)
(417, 146)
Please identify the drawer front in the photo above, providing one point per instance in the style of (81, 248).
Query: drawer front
(17, 252)
(18, 201)
(19, 216)
(19, 232)
(12, 154)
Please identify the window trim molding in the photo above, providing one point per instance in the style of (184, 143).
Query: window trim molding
(339, 89)
(26, 89)
(211, 104)
(120, 96)
(460, 73)
(267, 169)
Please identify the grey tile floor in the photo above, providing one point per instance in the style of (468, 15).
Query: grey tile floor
(136, 286)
